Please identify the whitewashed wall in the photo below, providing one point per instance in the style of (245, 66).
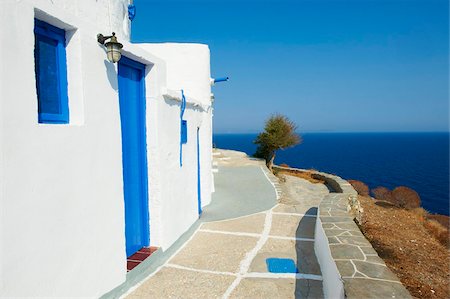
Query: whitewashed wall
(173, 189)
(61, 196)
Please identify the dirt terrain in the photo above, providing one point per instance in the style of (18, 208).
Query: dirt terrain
(408, 247)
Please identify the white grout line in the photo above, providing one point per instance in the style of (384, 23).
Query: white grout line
(283, 275)
(230, 289)
(346, 260)
(254, 235)
(277, 193)
(370, 278)
(236, 218)
(365, 257)
(357, 271)
(245, 263)
(132, 289)
(238, 279)
(291, 238)
(199, 270)
(346, 244)
(230, 233)
(294, 214)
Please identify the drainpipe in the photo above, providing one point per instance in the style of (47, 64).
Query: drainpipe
(221, 79)
(131, 10)
(183, 128)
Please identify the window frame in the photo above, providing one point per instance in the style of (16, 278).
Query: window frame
(42, 31)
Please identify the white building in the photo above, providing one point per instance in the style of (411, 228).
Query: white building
(76, 132)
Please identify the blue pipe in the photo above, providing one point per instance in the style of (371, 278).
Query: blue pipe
(183, 128)
(222, 79)
(183, 104)
(131, 11)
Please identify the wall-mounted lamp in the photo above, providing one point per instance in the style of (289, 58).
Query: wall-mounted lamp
(113, 47)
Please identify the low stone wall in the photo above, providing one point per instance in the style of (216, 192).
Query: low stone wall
(351, 268)
(338, 185)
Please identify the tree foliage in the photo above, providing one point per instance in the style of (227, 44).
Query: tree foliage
(279, 133)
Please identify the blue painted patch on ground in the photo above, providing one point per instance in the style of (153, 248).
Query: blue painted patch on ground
(279, 265)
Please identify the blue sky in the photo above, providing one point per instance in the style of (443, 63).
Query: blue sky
(333, 66)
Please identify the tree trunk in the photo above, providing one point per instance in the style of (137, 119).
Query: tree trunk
(270, 163)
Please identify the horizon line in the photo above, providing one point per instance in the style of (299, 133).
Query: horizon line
(339, 132)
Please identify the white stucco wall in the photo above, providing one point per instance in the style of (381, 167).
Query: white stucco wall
(61, 197)
(173, 189)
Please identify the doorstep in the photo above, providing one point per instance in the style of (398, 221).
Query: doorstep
(138, 257)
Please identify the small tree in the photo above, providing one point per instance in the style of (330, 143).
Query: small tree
(279, 133)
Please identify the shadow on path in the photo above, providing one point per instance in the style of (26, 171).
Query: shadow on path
(306, 258)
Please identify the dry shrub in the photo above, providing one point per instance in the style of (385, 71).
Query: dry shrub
(421, 213)
(284, 165)
(442, 219)
(360, 187)
(405, 197)
(382, 193)
(438, 231)
(303, 175)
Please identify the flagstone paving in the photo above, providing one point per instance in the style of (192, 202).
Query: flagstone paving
(363, 272)
(245, 224)
(227, 258)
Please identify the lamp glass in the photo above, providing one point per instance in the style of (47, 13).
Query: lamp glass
(113, 52)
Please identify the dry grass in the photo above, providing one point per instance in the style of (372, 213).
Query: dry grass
(437, 225)
(438, 231)
(301, 174)
(421, 213)
(442, 219)
(406, 241)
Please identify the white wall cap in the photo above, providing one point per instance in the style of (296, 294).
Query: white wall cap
(135, 52)
(175, 95)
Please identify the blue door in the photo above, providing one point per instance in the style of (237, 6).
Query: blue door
(134, 160)
(199, 186)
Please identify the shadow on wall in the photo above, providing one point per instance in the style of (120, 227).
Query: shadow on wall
(112, 74)
(306, 257)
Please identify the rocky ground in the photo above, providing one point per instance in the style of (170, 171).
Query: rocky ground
(420, 261)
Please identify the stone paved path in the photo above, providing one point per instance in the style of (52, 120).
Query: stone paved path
(227, 258)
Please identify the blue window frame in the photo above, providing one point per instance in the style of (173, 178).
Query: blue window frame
(51, 73)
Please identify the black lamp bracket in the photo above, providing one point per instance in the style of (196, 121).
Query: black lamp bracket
(102, 39)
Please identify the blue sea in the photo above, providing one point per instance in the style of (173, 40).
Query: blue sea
(416, 160)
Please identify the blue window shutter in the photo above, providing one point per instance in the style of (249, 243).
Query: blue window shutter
(183, 131)
(51, 73)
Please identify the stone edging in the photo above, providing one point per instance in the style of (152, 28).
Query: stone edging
(273, 180)
(351, 268)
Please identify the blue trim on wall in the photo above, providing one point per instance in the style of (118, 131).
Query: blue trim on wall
(52, 35)
(183, 126)
(145, 233)
(199, 187)
(183, 131)
(131, 11)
